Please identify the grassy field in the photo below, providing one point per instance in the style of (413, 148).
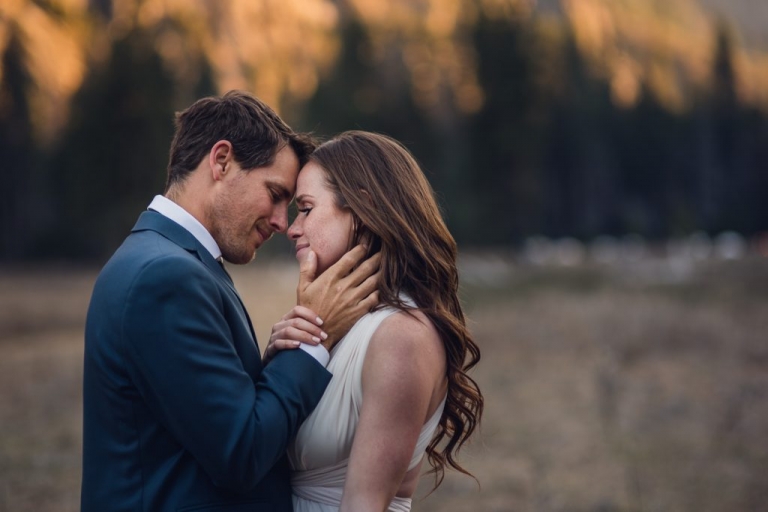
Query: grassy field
(607, 389)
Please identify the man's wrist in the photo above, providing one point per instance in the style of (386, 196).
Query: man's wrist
(319, 352)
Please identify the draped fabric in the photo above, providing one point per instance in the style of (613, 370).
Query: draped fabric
(319, 456)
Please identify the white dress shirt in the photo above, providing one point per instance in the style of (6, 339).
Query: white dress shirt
(183, 218)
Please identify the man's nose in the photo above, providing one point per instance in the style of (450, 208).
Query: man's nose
(279, 220)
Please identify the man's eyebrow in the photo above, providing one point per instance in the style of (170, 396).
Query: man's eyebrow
(281, 191)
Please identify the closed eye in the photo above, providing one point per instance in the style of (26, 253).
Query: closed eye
(278, 193)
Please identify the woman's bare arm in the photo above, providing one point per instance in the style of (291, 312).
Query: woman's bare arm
(403, 382)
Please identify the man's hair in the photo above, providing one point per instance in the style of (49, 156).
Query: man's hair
(255, 131)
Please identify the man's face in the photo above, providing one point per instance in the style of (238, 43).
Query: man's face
(252, 205)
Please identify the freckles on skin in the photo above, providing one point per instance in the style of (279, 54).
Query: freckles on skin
(321, 251)
(327, 251)
(333, 241)
(320, 224)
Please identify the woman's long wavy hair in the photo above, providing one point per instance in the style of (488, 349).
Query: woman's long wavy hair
(395, 212)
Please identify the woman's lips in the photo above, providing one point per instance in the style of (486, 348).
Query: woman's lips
(301, 247)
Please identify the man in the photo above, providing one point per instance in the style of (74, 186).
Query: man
(180, 413)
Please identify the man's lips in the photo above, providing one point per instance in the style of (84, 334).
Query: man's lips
(299, 247)
(265, 235)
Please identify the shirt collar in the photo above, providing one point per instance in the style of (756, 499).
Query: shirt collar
(182, 217)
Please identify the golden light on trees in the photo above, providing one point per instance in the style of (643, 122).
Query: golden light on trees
(751, 77)
(625, 82)
(273, 48)
(281, 49)
(432, 37)
(664, 46)
(53, 53)
(506, 9)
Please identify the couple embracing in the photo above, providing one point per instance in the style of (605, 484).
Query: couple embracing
(360, 381)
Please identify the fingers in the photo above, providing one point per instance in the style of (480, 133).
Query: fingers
(298, 328)
(305, 313)
(370, 302)
(290, 333)
(275, 346)
(278, 345)
(307, 270)
(366, 304)
(363, 289)
(336, 295)
(365, 269)
(347, 262)
(296, 334)
(369, 285)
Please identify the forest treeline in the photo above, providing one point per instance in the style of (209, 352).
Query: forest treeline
(517, 133)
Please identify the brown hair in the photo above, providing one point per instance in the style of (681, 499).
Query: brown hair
(255, 131)
(395, 212)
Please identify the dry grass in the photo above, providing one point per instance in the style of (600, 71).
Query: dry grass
(603, 393)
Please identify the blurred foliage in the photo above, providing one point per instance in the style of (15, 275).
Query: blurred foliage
(560, 117)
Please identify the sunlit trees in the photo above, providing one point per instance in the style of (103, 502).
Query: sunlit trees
(583, 118)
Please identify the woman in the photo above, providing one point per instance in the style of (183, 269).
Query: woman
(399, 386)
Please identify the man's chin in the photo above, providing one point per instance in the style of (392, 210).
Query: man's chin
(241, 258)
(249, 257)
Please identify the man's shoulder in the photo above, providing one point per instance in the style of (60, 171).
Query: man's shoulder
(149, 255)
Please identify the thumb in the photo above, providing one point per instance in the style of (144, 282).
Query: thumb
(307, 270)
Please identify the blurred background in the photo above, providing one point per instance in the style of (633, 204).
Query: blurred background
(603, 165)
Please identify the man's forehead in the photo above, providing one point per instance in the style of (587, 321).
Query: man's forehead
(284, 172)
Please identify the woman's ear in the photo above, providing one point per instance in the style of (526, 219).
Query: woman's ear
(363, 235)
(364, 193)
(359, 235)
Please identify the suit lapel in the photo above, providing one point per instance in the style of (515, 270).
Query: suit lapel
(154, 221)
(231, 285)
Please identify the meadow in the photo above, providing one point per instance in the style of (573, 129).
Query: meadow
(635, 387)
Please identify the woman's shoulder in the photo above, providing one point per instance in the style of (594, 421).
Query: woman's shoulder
(407, 339)
(405, 365)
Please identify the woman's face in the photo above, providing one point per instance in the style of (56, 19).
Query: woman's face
(320, 225)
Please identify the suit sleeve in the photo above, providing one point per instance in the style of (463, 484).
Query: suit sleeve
(181, 357)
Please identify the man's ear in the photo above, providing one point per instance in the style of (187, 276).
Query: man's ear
(220, 158)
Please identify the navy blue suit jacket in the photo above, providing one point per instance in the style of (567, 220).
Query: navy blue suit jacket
(178, 412)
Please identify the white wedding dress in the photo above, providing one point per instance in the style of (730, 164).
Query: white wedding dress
(319, 455)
